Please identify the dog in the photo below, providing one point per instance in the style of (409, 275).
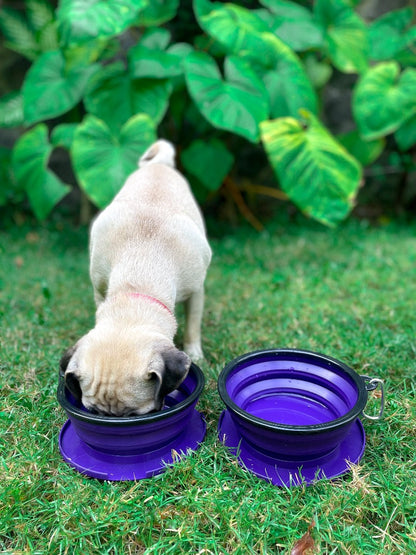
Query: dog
(148, 251)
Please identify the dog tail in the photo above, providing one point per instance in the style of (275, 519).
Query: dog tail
(161, 152)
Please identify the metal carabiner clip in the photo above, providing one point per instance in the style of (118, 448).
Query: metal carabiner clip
(371, 384)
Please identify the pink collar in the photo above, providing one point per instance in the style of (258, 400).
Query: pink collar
(151, 299)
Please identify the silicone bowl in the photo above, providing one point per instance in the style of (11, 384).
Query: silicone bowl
(134, 447)
(294, 410)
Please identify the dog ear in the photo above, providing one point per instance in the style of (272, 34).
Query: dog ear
(66, 357)
(71, 380)
(173, 372)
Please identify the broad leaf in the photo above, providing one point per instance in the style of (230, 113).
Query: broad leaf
(156, 38)
(208, 161)
(154, 64)
(40, 13)
(383, 99)
(313, 169)
(11, 109)
(406, 134)
(19, 37)
(391, 33)
(30, 165)
(83, 20)
(345, 35)
(293, 24)
(366, 152)
(242, 32)
(319, 72)
(158, 12)
(50, 89)
(103, 159)
(114, 97)
(288, 86)
(63, 135)
(237, 103)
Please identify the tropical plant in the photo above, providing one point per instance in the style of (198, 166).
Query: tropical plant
(107, 77)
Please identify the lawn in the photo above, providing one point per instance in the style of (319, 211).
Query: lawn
(348, 292)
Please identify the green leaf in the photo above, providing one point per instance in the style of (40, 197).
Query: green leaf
(390, 33)
(366, 152)
(103, 159)
(48, 37)
(154, 64)
(313, 169)
(208, 161)
(19, 37)
(83, 20)
(406, 134)
(345, 35)
(40, 13)
(383, 99)
(293, 24)
(50, 89)
(63, 135)
(30, 165)
(156, 39)
(246, 35)
(113, 96)
(158, 12)
(240, 30)
(319, 72)
(238, 103)
(288, 86)
(11, 110)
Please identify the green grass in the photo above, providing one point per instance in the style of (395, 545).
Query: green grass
(348, 292)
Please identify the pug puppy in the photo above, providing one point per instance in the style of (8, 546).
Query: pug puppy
(148, 251)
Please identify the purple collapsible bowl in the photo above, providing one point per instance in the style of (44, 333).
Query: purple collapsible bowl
(134, 447)
(292, 415)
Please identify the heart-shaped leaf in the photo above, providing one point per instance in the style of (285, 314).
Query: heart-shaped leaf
(391, 33)
(240, 30)
(315, 171)
(293, 24)
(63, 135)
(114, 96)
(243, 33)
(288, 86)
(11, 109)
(406, 134)
(208, 161)
(366, 152)
(30, 165)
(51, 89)
(158, 12)
(83, 20)
(345, 35)
(237, 103)
(103, 159)
(154, 64)
(383, 99)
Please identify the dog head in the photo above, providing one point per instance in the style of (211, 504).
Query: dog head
(121, 374)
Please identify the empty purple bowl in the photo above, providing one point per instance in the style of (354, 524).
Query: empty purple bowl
(292, 415)
(134, 447)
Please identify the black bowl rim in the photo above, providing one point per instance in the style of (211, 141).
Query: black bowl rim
(120, 421)
(348, 417)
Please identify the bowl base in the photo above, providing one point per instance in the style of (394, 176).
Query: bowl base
(289, 473)
(105, 466)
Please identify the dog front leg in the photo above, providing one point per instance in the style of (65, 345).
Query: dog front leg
(194, 307)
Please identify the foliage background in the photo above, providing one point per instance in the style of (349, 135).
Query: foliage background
(241, 89)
